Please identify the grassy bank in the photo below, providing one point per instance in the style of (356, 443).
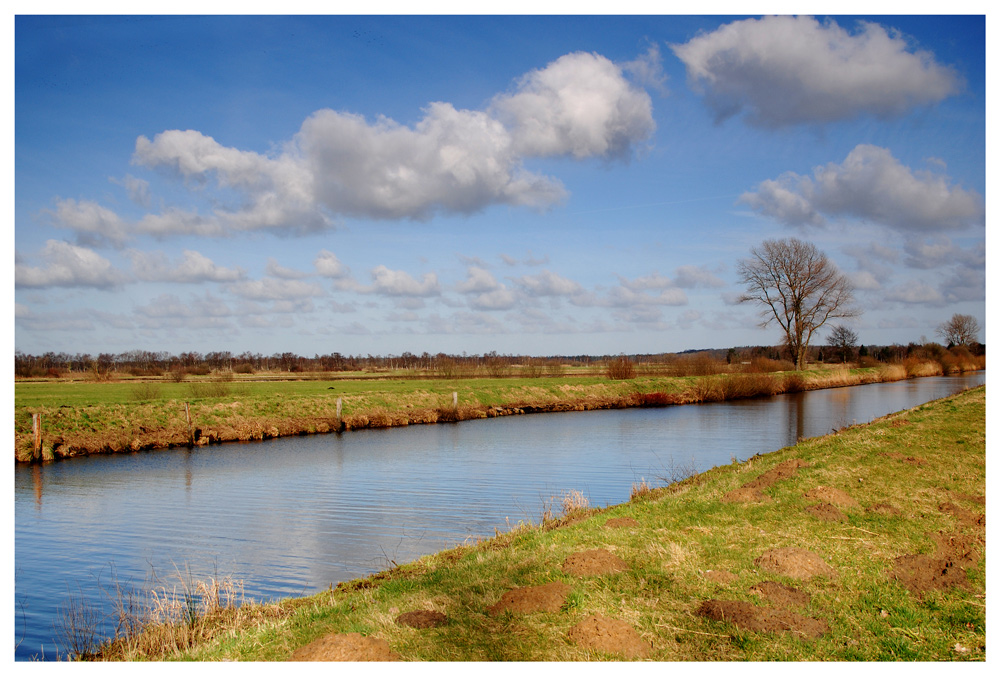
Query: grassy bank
(81, 418)
(867, 544)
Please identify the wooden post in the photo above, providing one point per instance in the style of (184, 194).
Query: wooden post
(36, 428)
(187, 413)
(340, 407)
(454, 400)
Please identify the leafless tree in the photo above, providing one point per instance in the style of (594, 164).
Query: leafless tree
(844, 341)
(959, 330)
(796, 286)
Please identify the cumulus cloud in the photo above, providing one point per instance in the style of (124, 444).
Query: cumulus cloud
(328, 265)
(274, 269)
(400, 283)
(915, 292)
(340, 164)
(579, 105)
(137, 189)
(192, 268)
(872, 185)
(67, 265)
(785, 70)
(692, 277)
(478, 280)
(548, 283)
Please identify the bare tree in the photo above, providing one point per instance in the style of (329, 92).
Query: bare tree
(844, 341)
(797, 287)
(959, 330)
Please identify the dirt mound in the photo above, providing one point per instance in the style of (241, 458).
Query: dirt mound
(978, 499)
(826, 512)
(780, 594)
(921, 574)
(345, 648)
(720, 576)
(957, 547)
(884, 508)
(593, 562)
(964, 516)
(797, 563)
(831, 496)
(780, 472)
(422, 619)
(545, 598)
(621, 522)
(609, 635)
(745, 495)
(754, 618)
(908, 459)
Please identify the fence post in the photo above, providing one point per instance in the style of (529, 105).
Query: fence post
(454, 400)
(187, 413)
(340, 406)
(36, 429)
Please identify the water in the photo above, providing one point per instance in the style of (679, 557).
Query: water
(293, 516)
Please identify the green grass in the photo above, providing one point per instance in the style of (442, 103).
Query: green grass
(686, 529)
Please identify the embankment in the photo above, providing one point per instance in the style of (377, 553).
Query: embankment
(864, 545)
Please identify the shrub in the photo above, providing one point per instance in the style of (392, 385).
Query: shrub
(145, 391)
(867, 362)
(793, 382)
(747, 385)
(621, 368)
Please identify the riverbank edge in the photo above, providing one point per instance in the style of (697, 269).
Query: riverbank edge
(523, 541)
(144, 434)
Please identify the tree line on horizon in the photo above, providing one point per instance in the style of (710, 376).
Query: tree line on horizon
(493, 364)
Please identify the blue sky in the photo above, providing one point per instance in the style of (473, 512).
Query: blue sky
(531, 185)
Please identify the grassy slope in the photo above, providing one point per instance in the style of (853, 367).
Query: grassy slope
(685, 530)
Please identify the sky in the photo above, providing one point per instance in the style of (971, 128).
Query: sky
(533, 185)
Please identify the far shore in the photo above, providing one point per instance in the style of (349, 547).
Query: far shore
(79, 418)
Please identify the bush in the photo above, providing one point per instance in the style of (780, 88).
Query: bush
(747, 385)
(145, 391)
(621, 368)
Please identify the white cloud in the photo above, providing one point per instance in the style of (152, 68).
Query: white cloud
(93, 224)
(692, 276)
(874, 186)
(579, 105)
(328, 265)
(137, 189)
(399, 283)
(478, 280)
(274, 269)
(915, 292)
(192, 268)
(786, 70)
(548, 283)
(68, 265)
(501, 298)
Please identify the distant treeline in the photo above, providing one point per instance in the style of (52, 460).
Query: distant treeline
(490, 364)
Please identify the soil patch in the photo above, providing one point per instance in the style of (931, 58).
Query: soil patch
(964, 516)
(884, 508)
(957, 547)
(422, 619)
(593, 562)
(745, 495)
(978, 499)
(543, 598)
(908, 459)
(780, 472)
(800, 564)
(826, 512)
(621, 522)
(754, 618)
(345, 648)
(921, 574)
(832, 496)
(720, 576)
(780, 594)
(609, 635)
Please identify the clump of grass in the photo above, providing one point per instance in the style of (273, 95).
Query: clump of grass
(640, 490)
(747, 385)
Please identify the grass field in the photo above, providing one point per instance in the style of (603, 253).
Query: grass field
(80, 417)
(867, 544)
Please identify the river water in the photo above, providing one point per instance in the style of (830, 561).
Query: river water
(293, 516)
